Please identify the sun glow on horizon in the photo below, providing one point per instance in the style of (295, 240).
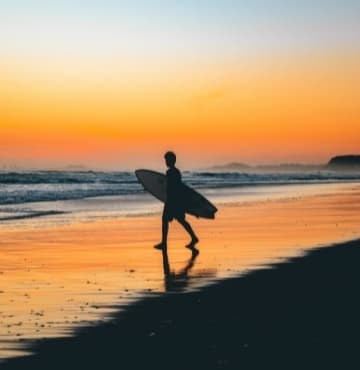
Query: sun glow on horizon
(116, 95)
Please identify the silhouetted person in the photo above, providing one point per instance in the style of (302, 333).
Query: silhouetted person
(174, 205)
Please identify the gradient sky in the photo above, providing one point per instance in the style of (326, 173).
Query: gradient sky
(112, 84)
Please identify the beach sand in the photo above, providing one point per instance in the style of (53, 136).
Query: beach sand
(302, 314)
(104, 285)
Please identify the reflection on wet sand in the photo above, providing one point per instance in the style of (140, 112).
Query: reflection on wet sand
(181, 280)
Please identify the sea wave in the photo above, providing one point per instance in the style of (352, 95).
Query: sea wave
(12, 215)
(66, 177)
(15, 194)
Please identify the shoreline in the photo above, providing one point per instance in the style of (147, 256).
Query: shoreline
(302, 313)
(51, 213)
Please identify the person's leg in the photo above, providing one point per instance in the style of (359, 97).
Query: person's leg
(189, 229)
(165, 230)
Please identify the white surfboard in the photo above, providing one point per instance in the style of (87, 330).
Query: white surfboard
(194, 203)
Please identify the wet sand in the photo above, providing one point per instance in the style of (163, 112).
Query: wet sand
(55, 281)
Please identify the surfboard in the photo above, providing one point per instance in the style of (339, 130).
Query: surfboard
(194, 203)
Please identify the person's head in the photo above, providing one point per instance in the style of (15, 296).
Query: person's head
(170, 159)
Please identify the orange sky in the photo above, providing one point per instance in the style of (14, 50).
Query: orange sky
(112, 85)
(119, 115)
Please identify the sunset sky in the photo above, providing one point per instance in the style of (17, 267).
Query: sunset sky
(113, 84)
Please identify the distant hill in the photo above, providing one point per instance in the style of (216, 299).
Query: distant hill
(75, 167)
(345, 162)
(285, 167)
(290, 167)
(338, 163)
(234, 166)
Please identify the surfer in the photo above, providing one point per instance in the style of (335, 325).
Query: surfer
(174, 205)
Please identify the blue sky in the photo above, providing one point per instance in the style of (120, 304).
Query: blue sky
(196, 10)
(223, 27)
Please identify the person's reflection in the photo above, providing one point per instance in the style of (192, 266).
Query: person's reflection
(175, 281)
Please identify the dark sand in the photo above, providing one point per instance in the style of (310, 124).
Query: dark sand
(300, 314)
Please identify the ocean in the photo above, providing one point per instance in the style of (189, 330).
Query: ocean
(63, 196)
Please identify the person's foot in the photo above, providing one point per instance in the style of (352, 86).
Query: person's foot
(192, 244)
(160, 246)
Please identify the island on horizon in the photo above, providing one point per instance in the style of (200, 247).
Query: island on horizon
(349, 162)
